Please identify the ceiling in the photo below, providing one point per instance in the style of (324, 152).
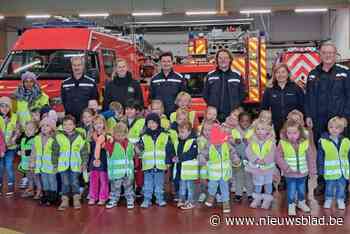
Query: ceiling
(120, 7)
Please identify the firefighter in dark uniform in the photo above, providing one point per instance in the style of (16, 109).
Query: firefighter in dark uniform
(327, 95)
(77, 90)
(167, 84)
(224, 87)
(282, 96)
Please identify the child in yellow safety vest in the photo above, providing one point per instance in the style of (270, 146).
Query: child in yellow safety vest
(261, 163)
(333, 155)
(9, 125)
(45, 163)
(203, 155)
(156, 146)
(136, 125)
(182, 117)
(120, 166)
(25, 149)
(297, 160)
(186, 167)
(230, 126)
(219, 161)
(72, 152)
(239, 140)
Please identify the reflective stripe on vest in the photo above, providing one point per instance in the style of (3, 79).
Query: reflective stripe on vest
(70, 153)
(296, 161)
(189, 169)
(262, 152)
(25, 145)
(121, 162)
(154, 152)
(8, 128)
(192, 116)
(336, 162)
(219, 164)
(43, 161)
(136, 130)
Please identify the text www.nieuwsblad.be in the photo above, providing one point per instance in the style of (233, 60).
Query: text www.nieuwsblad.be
(217, 220)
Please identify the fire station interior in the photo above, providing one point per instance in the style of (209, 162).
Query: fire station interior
(258, 33)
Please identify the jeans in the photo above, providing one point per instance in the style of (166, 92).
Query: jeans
(267, 188)
(339, 186)
(187, 187)
(224, 189)
(70, 180)
(295, 189)
(49, 182)
(6, 163)
(154, 181)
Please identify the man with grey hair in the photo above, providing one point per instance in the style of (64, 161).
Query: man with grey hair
(327, 95)
(78, 89)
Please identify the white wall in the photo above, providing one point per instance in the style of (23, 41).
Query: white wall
(340, 33)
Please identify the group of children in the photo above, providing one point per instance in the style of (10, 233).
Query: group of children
(121, 152)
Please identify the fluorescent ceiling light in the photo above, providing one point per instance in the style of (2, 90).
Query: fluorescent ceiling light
(147, 14)
(2, 17)
(265, 11)
(94, 15)
(201, 12)
(44, 16)
(302, 10)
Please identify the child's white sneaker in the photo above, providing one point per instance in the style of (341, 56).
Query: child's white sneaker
(111, 204)
(161, 204)
(23, 183)
(187, 206)
(202, 197)
(291, 209)
(327, 204)
(130, 205)
(341, 204)
(302, 206)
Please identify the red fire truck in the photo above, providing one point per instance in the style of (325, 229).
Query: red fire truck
(46, 50)
(249, 53)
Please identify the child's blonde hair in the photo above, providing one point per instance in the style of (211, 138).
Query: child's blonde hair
(120, 129)
(158, 102)
(262, 124)
(116, 107)
(338, 121)
(99, 118)
(292, 123)
(183, 94)
(298, 113)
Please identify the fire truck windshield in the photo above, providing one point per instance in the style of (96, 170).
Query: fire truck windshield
(47, 64)
(195, 83)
